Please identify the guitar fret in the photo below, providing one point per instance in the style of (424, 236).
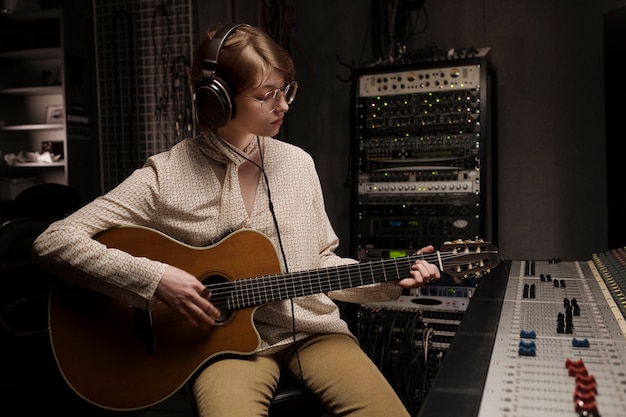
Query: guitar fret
(360, 274)
(241, 299)
(390, 266)
(270, 283)
(320, 288)
(301, 291)
(245, 292)
(291, 292)
(311, 284)
(349, 277)
(338, 275)
(298, 291)
(258, 297)
(287, 289)
(369, 264)
(249, 294)
(330, 284)
(384, 271)
(229, 296)
(360, 277)
(395, 264)
(274, 297)
(231, 301)
(264, 287)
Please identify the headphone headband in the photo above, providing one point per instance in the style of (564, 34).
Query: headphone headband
(213, 50)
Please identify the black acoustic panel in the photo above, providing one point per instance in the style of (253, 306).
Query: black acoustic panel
(615, 107)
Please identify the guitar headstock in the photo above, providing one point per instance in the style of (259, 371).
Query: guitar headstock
(463, 259)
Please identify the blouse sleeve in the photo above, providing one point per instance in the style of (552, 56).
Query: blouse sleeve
(67, 247)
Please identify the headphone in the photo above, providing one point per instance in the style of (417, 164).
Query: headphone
(213, 98)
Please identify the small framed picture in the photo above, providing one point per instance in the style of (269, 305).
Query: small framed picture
(54, 114)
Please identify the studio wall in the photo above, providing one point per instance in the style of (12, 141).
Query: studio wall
(551, 161)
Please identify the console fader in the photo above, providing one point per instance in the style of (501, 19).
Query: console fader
(560, 348)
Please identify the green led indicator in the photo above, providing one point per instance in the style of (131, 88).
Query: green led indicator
(393, 254)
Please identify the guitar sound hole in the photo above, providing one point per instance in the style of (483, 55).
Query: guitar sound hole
(220, 292)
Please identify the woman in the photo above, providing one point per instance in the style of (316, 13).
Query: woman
(234, 176)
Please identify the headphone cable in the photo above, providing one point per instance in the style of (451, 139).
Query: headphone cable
(280, 241)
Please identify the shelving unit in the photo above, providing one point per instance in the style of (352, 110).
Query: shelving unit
(32, 101)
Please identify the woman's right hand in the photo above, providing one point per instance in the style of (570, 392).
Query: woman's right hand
(182, 292)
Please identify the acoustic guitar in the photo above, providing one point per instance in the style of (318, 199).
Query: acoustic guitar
(119, 357)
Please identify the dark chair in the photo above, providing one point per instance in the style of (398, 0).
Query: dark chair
(24, 288)
(49, 201)
(25, 351)
(24, 285)
(293, 399)
(24, 346)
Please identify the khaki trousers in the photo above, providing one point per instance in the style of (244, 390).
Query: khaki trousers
(333, 366)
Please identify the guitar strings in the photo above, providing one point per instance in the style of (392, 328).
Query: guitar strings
(281, 286)
(451, 260)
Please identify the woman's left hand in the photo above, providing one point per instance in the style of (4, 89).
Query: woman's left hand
(422, 272)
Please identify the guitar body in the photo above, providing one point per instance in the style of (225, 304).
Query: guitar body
(110, 356)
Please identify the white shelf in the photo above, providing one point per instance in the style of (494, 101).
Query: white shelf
(33, 91)
(38, 164)
(31, 81)
(33, 127)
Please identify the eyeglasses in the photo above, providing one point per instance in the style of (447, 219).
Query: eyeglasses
(271, 99)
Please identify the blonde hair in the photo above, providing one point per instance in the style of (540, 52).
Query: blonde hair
(246, 59)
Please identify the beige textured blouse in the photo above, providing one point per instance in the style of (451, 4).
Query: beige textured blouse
(178, 193)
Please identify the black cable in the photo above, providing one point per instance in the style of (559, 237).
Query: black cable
(267, 184)
(393, 24)
(280, 240)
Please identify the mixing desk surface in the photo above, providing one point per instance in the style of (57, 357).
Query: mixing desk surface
(539, 338)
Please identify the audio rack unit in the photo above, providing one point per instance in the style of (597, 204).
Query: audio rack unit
(422, 155)
(408, 338)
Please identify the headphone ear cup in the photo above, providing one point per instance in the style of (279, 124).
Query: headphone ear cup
(214, 103)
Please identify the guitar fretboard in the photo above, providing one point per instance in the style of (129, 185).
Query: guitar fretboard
(252, 292)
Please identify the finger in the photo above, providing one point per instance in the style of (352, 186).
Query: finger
(412, 282)
(204, 313)
(425, 272)
(421, 267)
(206, 306)
(426, 249)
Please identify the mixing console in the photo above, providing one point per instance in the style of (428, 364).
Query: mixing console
(560, 348)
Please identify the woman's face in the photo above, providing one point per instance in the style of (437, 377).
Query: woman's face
(250, 117)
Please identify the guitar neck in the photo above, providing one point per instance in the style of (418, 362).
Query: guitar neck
(252, 292)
